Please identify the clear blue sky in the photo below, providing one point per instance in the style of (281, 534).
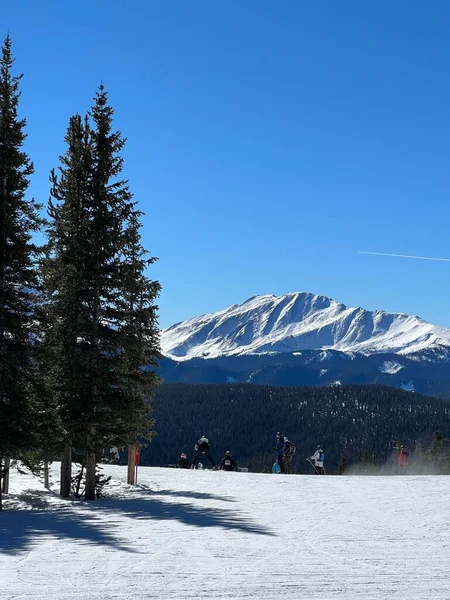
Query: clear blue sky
(268, 141)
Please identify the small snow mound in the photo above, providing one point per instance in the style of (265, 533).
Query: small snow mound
(391, 367)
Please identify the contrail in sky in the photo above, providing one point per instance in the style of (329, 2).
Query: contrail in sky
(405, 256)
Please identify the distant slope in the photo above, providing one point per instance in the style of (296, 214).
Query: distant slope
(298, 322)
(427, 372)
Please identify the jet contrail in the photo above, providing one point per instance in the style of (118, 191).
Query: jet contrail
(405, 256)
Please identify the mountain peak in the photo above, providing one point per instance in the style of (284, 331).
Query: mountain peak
(298, 321)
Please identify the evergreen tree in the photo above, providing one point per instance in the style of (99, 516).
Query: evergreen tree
(107, 337)
(19, 218)
(65, 311)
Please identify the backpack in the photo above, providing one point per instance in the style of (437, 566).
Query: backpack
(289, 449)
(322, 456)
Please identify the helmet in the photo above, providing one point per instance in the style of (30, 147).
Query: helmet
(228, 452)
(183, 455)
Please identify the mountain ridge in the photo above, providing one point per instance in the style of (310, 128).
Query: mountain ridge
(297, 321)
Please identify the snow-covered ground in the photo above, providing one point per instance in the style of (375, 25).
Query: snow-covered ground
(193, 534)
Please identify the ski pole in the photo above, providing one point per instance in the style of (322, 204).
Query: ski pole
(313, 466)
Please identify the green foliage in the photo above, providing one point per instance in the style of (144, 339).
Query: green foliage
(24, 417)
(244, 418)
(100, 315)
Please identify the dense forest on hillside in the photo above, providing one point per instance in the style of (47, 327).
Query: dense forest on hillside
(358, 422)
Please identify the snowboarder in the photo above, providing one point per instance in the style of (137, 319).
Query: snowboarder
(279, 449)
(228, 463)
(403, 459)
(202, 448)
(318, 457)
(289, 451)
(183, 462)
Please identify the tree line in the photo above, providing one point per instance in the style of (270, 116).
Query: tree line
(78, 319)
(350, 421)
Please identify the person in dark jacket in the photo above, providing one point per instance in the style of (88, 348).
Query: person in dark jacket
(202, 448)
(228, 463)
(183, 462)
(279, 449)
(288, 455)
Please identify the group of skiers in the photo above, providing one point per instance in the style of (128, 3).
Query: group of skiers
(285, 451)
(203, 451)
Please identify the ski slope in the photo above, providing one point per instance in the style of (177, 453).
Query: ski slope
(193, 534)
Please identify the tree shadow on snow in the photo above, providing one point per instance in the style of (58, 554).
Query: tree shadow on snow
(94, 523)
(151, 508)
(20, 529)
(185, 494)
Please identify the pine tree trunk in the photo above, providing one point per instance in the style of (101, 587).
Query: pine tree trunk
(5, 482)
(89, 493)
(46, 476)
(131, 465)
(66, 471)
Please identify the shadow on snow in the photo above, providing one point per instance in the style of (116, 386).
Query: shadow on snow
(94, 523)
(184, 494)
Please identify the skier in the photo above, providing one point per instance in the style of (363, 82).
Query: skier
(202, 448)
(289, 451)
(343, 465)
(318, 457)
(403, 459)
(183, 462)
(228, 463)
(279, 449)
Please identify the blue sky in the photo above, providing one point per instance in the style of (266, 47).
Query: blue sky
(268, 141)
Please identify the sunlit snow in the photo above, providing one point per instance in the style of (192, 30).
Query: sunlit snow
(192, 535)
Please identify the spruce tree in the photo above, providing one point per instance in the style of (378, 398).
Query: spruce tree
(103, 369)
(19, 219)
(66, 316)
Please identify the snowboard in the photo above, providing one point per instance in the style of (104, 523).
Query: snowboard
(276, 468)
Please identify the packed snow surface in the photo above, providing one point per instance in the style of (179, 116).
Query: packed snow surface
(296, 322)
(192, 534)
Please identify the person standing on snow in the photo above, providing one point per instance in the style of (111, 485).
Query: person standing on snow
(279, 449)
(289, 451)
(202, 447)
(403, 459)
(318, 457)
(183, 462)
(228, 463)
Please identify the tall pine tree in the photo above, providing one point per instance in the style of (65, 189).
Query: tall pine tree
(19, 219)
(65, 311)
(99, 293)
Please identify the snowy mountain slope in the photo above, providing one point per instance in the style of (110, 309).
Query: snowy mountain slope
(296, 322)
(186, 535)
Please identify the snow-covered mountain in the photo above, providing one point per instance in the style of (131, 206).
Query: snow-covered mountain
(296, 322)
